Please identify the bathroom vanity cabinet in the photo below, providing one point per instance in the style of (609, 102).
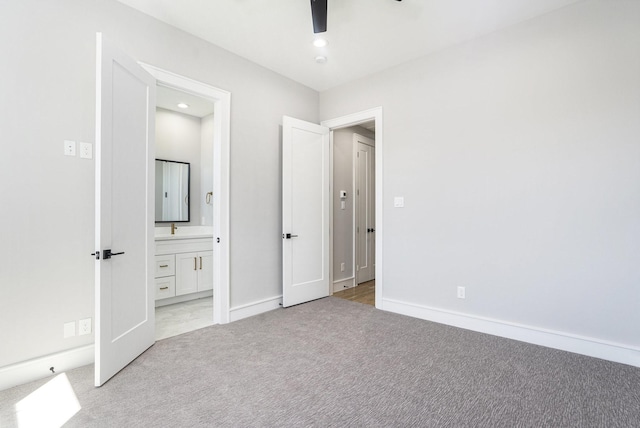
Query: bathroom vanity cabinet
(183, 269)
(194, 272)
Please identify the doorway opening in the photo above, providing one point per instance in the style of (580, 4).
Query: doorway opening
(356, 235)
(192, 255)
(354, 212)
(184, 212)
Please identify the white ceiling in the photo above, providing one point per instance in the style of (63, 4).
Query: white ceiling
(168, 98)
(365, 36)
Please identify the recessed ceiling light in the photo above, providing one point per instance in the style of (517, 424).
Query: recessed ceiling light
(320, 43)
(183, 105)
(321, 59)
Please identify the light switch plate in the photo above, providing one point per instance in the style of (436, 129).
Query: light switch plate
(69, 148)
(398, 202)
(69, 329)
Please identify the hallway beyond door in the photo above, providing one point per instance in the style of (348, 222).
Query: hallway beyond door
(363, 293)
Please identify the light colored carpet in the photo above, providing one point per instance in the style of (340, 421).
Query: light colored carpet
(335, 363)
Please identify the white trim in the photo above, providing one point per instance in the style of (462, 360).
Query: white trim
(38, 368)
(356, 119)
(255, 308)
(343, 284)
(221, 160)
(550, 338)
(331, 194)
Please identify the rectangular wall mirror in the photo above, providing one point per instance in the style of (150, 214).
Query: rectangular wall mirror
(172, 191)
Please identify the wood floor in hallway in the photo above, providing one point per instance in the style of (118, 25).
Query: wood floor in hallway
(363, 293)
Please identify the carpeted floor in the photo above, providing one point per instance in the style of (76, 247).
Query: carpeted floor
(335, 363)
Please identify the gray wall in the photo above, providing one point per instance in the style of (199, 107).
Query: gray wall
(343, 180)
(518, 155)
(206, 170)
(47, 210)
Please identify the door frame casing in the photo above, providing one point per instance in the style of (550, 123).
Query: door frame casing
(344, 122)
(221, 100)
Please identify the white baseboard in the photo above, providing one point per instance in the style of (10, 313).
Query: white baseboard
(343, 284)
(38, 368)
(616, 352)
(255, 308)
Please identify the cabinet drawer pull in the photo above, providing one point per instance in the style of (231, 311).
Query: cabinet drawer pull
(164, 265)
(200, 263)
(195, 263)
(164, 288)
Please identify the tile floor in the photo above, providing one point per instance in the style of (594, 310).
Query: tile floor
(179, 318)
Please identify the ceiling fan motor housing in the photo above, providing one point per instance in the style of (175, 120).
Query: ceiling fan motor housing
(319, 15)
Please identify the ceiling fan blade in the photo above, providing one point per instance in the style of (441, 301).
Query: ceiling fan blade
(319, 15)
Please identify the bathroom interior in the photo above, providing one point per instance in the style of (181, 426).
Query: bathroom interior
(184, 212)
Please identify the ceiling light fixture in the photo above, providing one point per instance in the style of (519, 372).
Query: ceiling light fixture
(320, 43)
(321, 59)
(183, 105)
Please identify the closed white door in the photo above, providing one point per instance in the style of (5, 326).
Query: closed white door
(305, 211)
(124, 281)
(365, 208)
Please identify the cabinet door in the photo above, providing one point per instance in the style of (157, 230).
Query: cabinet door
(186, 273)
(205, 270)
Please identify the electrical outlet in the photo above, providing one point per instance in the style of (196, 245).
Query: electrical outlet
(461, 292)
(86, 150)
(341, 267)
(69, 329)
(84, 326)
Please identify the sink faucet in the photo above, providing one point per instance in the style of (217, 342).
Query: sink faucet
(173, 228)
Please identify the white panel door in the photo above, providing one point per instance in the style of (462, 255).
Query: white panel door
(125, 112)
(305, 211)
(365, 208)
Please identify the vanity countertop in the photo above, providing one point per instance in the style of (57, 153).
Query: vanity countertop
(183, 232)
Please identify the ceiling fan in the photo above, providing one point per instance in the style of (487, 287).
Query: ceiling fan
(319, 15)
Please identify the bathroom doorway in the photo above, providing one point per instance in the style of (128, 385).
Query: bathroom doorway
(184, 212)
(192, 251)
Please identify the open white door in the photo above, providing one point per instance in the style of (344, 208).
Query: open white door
(305, 211)
(125, 117)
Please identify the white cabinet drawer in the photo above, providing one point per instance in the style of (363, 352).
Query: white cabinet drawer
(165, 265)
(165, 287)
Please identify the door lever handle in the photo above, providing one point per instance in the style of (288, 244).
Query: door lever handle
(106, 254)
(288, 236)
